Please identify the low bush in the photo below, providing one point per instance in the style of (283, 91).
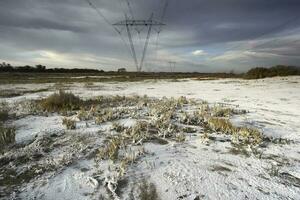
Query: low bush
(180, 137)
(69, 123)
(60, 102)
(3, 111)
(148, 191)
(242, 135)
(111, 150)
(279, 70)
(106, 115)
(221, 125)
(249, 136)
(7, 136)
(221, 111)
(3, 115)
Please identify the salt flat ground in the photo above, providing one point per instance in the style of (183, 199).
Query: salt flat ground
(193, 169)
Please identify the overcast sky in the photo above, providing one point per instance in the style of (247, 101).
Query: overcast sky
(200, 35)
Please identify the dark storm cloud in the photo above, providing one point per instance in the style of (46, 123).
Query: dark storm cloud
(71, 27)
(214, 21)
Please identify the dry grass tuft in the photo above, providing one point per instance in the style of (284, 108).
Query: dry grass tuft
(61, 102)
(3, 115)
(69, 123)
(118, 127)
(180, 137)
(7, 136)
(3, 112)
(107, 115)
(111, 150)
(148, 191)
(139, 133)
(248, 136)
(242, 135)
(221, 125)
(191, 119)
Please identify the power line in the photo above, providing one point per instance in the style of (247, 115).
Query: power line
(130, 9)
(172, 65)
(164, 11)
(150, 23)
(98, 11)
(128, 24)
(109, 23)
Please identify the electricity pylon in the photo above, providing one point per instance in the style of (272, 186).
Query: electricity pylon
(131, 23)
(172, 66)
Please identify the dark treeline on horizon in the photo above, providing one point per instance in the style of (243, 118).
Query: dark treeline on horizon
(279, 70)
(6, 67)
(254, 73)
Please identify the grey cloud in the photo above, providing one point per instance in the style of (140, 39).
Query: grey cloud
(72, 27)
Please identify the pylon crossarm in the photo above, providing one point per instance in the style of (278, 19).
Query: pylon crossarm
(139, 23)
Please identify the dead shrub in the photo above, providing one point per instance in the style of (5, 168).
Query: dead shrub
(248, 136)
(61, 102)
(7, 136)
(242, 135)
(221, 125)
(180, 137)
(3, 115)
(148, 191)
(69, 123)
(111, 150)
(3, 111)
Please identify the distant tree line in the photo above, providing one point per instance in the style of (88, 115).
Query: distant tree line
(6, 67)
(255, 73)
(279, 70)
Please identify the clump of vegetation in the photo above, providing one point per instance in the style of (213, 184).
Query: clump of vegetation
(148, 191)
(139, 133)
(221, 125)
(274, 170)
(111, 150)
(191, 119)
(128, 159)
(248, 136)
(183, 100)
(243, 135)
(240, 149)
(221, 111)
(121, 101)
(84, 115)
(279, 70)
(69, 123)
(180, 137)
(61, 102)
(189, 130)
(7, 136)
(118, 127)
(106, 115)
(3, 111)
(3, 114)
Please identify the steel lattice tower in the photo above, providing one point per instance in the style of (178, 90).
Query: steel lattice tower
(131, 23)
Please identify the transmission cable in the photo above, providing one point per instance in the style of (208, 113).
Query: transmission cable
(162, 18)
(108, 22)
(130, 9)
